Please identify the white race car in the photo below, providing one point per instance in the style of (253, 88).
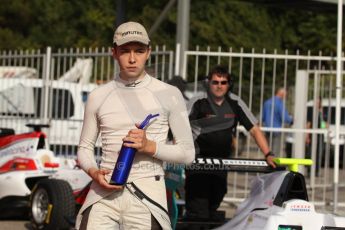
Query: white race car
(279, 201)
(33, 181)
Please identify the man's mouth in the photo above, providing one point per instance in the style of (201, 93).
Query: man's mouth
(131, 69)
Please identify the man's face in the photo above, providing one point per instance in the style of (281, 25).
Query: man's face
(131, 58)
(219, 86)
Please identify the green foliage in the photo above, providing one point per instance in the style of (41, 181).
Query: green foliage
(225, 23)
(62, 23)
(232, 24)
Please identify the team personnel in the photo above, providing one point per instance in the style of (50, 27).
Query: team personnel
(275, 115)
(214, 120)
(113, 111)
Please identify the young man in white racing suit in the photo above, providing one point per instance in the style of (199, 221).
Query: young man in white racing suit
(114, 111)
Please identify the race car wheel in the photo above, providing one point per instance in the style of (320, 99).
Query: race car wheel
(52, 204)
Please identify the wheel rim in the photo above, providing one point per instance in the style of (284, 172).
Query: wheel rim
(40, 204)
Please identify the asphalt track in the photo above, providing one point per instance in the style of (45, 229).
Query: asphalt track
(14, 225)
(228, 207)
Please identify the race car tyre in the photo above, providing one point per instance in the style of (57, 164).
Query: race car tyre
(52, 204)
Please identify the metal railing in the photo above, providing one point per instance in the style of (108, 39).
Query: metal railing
(58, 87)
(256, 77)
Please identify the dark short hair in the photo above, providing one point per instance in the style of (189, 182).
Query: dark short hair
(114, 45)
(178, 82)
(220, 71)
(279, 88)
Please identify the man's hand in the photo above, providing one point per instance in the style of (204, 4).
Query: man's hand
(269, 160)
(98, 176)
(136, 138)
(263, 145)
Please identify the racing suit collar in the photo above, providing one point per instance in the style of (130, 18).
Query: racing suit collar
(138, 83)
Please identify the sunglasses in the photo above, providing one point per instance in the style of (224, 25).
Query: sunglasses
(217, 82)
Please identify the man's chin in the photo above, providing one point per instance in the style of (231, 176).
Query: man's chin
(132, 74)
(219, 96)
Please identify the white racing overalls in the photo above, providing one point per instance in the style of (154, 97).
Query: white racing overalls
(134, 207)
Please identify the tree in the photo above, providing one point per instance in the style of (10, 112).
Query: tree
(226, 23)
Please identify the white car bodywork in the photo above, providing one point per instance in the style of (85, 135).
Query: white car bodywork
(17, 182)
(297, 213)
(14, 183)
(263, 210)
(328, 106)
(62, 107)
(60, 103)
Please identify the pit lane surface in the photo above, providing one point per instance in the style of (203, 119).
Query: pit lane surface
(14, 225)
(228, 205)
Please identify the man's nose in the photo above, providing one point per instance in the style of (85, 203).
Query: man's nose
(131, 57)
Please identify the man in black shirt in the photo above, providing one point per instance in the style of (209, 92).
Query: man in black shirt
(321, 124)
(214, 120)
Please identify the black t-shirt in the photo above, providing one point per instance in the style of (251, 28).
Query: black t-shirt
(214, 126)
(320, 118)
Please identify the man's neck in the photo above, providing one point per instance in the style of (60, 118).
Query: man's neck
(133, 79)
(218, 100)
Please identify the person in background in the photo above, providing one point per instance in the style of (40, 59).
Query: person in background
(275, 115)
(179, 83)
(320, 124)
(113, 111)
(214, 120)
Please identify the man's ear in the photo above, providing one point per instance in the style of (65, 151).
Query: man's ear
(148, 53)
(113, 51)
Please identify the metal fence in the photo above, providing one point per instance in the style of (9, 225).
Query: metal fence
(53, 87)
(57, 89)
(307, 78)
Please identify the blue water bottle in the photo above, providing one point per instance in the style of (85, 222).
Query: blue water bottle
(125, 160)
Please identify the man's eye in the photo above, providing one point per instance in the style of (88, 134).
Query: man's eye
(141, 51)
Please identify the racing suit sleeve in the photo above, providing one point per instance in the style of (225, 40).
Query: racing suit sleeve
(245, 116)
(88, 137)
(183, 150)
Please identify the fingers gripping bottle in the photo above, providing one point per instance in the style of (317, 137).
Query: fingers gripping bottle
(125, 160)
